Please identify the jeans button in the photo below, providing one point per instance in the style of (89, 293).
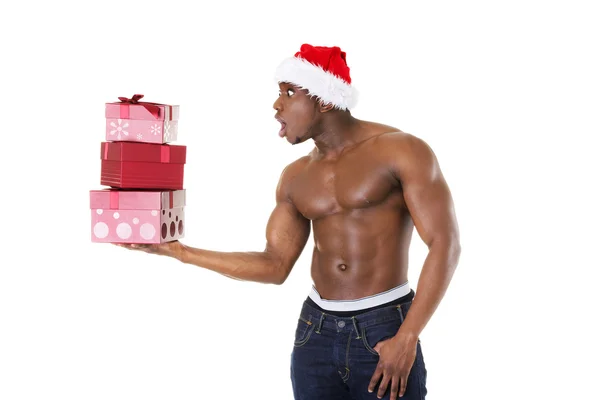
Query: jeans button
(341, 324)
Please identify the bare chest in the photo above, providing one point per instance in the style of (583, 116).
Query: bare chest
(331, 187)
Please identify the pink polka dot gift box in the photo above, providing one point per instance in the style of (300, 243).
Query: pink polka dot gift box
(137, 216)
(135, 121)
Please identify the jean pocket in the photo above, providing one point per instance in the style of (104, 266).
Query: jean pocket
(371, 335)
(304, 330)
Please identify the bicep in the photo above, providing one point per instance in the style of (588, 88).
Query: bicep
(287, 229)
(287, 234)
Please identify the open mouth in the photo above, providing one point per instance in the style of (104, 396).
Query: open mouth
(283, 125)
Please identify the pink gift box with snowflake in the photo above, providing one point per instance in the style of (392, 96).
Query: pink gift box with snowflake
(137, 216)
(135, 121)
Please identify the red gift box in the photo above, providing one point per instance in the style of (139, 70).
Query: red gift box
(137, 165)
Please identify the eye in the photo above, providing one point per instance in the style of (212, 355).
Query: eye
(290, 92)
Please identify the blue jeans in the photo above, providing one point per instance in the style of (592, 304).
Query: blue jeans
(333, 357)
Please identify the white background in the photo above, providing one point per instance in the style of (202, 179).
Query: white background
(506, 94)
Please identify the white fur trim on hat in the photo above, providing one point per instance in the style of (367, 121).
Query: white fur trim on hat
(318, 82)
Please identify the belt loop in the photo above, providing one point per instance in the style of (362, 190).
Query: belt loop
(356, 327)
(318, 330)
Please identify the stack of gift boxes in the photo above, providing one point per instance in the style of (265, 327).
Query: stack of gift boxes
(145, 199)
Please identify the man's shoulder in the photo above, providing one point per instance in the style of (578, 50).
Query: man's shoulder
(390, 138)
(404, 154)
(396, 145)
(398, 140)
(291, 170)
(297, 165)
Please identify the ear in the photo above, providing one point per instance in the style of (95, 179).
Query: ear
(325, 107)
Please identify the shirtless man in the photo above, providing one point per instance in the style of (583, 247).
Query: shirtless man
(362, 189)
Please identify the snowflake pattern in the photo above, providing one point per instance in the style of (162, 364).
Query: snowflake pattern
(155, 129)
(119, 129)
(139, 136)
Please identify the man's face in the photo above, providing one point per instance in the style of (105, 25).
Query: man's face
(297, 113)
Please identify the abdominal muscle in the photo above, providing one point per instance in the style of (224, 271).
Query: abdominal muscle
(361, 252)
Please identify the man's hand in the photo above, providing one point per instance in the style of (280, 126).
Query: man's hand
(396, 358)
(171, 249)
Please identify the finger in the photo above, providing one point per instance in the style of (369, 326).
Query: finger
(384, 384)
(403, 382)
(375, 378)
(134, 246)
(394, 387)
(379, 345)
(376, 348)
(140, 246)
(151, 248)
(126, 246)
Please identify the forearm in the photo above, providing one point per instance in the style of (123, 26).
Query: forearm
(437, 272)
(248, 266)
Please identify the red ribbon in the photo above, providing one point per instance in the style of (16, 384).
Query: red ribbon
(165, 154)
(171, 199)
(153, 108)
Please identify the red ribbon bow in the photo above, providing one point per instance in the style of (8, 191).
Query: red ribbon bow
(153, 108)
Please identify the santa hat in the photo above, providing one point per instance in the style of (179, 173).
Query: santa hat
(323, 72)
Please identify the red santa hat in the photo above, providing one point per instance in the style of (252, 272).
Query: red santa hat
(323, 72)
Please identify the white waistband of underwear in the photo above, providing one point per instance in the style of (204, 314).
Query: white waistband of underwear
(362, 303)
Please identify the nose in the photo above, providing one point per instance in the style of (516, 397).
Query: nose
(277, 104)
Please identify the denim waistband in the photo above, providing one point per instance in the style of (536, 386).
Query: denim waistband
(324, 320)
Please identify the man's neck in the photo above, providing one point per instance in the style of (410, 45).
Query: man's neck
(338, 131)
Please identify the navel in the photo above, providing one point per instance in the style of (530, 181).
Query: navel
(342, 267)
